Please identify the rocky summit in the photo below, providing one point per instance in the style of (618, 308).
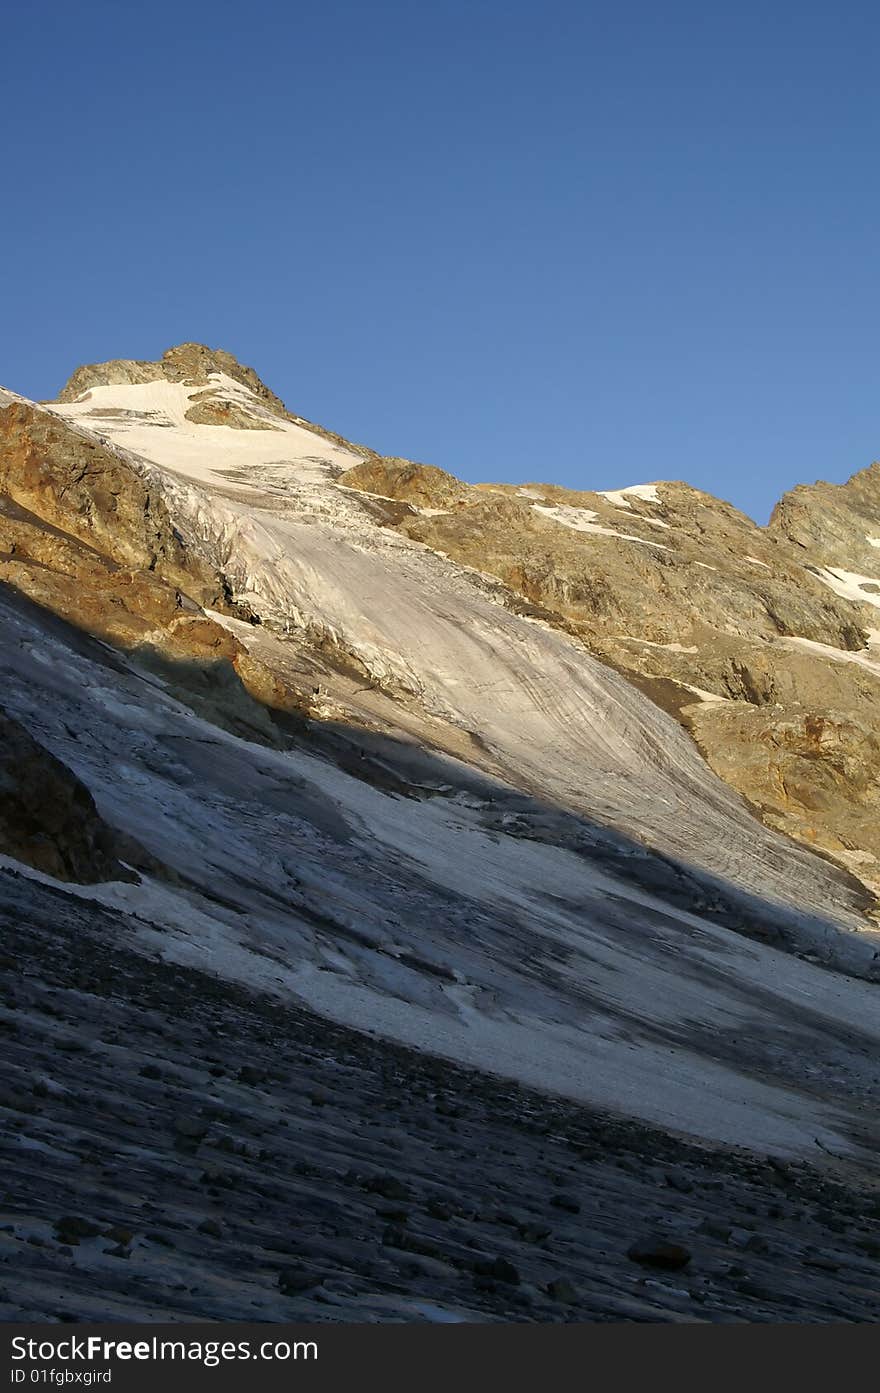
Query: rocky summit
(425, 900)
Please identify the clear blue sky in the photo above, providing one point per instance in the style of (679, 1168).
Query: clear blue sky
(595, 243)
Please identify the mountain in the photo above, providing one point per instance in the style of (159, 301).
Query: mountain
(567, 796)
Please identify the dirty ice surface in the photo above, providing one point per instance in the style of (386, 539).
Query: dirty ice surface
(477, 923)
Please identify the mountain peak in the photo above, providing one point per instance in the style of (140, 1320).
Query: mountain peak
(192, 363)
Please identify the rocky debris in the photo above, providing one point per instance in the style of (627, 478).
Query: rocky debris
(498, 1270)
(72, 1227)
(659, 1252)
(298, 1233)
(48, 818)
(294, 1280)
(119, 1235)
(190, 1129)
(562, 1290)
(566, 1202)
(389, 1187)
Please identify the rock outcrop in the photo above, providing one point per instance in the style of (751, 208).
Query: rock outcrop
(422, 485)
(48, 818)
(835, 525)
(84, 490)
(210, 409)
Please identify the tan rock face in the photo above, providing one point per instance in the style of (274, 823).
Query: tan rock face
(616, 569)
(834, 523)
(813, 776)
(740, 630)
(73, 484)
(422, 485)
(211, 411)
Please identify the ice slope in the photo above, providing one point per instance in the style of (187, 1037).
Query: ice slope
(541, 712)
(475, 923)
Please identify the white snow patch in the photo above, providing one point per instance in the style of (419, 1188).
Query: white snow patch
(581, 520)
(848, 584)
(649, 643)
(161, 434)
(703, 694)
(868, 658)
(618, 497)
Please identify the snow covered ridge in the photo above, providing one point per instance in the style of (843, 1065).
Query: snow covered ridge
(149, 420)
(6, 397)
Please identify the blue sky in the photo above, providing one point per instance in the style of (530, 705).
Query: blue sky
(592, 243)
